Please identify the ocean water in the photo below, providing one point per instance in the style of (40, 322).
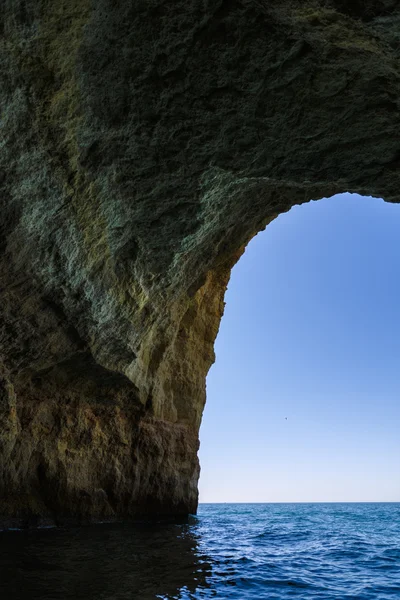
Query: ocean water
(238, 551)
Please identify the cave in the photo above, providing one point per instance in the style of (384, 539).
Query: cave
(144, 144)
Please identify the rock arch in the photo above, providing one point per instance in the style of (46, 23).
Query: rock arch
(143, 144)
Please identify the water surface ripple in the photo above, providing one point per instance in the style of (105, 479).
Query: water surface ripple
(232, 551)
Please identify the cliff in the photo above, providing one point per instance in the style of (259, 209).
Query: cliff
(143, 144)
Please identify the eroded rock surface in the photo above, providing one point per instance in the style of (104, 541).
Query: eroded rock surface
(143, 144)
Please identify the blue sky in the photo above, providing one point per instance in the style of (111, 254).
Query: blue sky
(311, 332)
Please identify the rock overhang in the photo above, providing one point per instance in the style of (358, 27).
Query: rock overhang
(143, 145)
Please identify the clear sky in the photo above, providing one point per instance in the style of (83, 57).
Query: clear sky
(311, 332)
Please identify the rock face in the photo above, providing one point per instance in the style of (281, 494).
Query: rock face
(143, 144)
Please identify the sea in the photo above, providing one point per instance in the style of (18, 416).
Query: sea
(236, 551)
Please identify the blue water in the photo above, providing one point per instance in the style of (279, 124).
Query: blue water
(238, 551)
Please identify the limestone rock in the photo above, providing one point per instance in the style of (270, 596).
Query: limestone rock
(143, 144)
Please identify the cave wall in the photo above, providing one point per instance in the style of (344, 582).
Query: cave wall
(143, 144)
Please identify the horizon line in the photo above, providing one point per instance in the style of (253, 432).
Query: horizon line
(307, 502)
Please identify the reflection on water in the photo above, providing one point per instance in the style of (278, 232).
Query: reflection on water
(108, 561)
(229, 552)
